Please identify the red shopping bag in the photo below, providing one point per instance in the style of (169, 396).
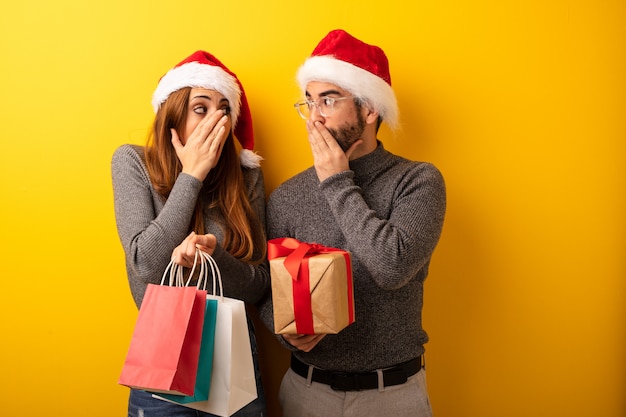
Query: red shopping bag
(232, 378)
(165, 348)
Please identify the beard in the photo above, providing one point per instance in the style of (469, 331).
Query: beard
(349, 133)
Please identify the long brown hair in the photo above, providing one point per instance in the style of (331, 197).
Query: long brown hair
(223, 189)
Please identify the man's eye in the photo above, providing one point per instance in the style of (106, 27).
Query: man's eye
(200, 109)
(328, 101)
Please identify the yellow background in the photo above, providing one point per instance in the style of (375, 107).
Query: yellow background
(520, 104)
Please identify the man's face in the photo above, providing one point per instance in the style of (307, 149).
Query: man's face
(344, 118)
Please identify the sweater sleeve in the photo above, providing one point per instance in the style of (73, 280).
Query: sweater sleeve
(149, 228)
(393, 247)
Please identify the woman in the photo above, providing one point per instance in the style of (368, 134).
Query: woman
(192, 184)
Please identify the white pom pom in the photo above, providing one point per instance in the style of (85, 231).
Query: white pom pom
(250, 159)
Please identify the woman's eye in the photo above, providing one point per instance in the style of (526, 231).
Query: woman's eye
(226, 110)
(200, 109)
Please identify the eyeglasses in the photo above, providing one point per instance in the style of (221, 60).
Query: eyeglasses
(325, 105)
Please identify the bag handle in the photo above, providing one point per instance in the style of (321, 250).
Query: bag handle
(208, 261)
(176, 273)
(176, 276)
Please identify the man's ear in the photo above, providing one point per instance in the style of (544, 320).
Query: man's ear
(371, 116)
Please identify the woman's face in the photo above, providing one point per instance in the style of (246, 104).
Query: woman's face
(203, 103)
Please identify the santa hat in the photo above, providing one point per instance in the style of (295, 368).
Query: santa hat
(355, 66)
(203, 70)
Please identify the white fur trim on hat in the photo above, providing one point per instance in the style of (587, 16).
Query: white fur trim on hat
(195, 74)
(360, 83)
(249, 159)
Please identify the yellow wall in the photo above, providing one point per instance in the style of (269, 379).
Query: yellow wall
(520, 104)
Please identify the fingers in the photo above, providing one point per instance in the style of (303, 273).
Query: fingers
(208, 136)
(328, 157)
(206, 243)
(211, 129)
(185, 253)
(203, 147)
(320, 136)
(303, 342)
(319, 145)
(176, 140)
(217, 142)
(316, 138)
(182, 254)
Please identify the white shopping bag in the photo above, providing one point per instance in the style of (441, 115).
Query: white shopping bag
(233, 383)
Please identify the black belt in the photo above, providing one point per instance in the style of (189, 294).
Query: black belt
(342, 381)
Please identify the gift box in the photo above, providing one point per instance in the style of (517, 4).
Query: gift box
(312, 289)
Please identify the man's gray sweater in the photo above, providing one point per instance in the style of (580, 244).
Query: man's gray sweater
(388, 212)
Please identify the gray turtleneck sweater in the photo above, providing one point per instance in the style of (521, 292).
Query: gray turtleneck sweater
(388, 212)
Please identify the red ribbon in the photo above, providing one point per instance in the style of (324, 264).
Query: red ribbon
(296, 262)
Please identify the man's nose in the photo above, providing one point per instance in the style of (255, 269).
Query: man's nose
(315, 114)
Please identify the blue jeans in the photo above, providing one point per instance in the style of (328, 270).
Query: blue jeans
(143, 404)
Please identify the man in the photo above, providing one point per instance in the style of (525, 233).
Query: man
(387, 212)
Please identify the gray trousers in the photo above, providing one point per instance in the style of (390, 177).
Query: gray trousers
(302, 398)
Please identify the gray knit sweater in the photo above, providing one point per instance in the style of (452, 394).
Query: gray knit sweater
(388, 212)
(150, 228)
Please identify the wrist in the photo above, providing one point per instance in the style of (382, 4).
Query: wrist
(197, 174)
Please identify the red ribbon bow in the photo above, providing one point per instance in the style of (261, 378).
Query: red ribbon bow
(296, 262)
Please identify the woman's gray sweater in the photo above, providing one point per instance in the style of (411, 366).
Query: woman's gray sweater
(150, 228)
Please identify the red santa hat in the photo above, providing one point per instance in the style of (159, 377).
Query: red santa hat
(203, 70)
(355, 66)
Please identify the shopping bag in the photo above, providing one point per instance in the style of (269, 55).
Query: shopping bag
(205, 363)
(164, 350)
(233, 382)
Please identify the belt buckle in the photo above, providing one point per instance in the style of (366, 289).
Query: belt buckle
(342, 381)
